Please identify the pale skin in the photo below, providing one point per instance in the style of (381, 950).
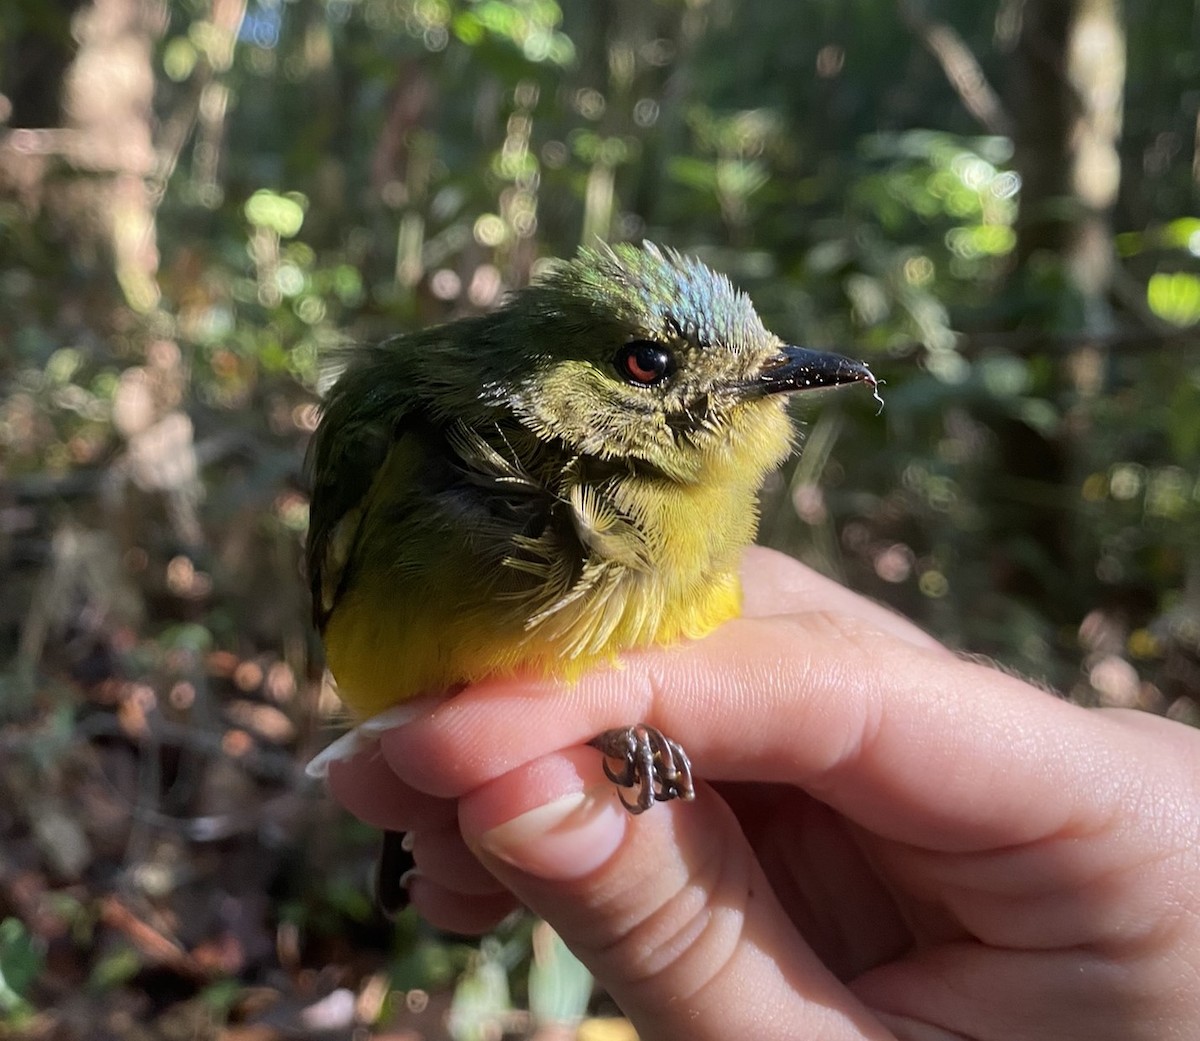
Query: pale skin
(888, 842)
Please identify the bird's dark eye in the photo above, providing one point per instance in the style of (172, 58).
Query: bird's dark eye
(644, 362)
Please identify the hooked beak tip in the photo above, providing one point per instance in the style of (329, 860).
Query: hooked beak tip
(800, 368)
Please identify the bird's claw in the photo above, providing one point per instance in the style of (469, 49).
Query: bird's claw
(651, 762)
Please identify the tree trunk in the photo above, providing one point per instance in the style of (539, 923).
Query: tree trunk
(1067, 105)
(88, 165)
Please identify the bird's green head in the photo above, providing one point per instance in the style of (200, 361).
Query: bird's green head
(648, 356)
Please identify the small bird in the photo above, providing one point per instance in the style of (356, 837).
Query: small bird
(541, 488)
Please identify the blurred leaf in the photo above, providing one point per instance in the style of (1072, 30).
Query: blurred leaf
(481, 1000)
(195, 638)
(21, 960)
(560, 986)
(283, 214)
(1175, 297)
(113, 968)
(1184, 233)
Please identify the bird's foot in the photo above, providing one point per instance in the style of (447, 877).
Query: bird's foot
(651, 762)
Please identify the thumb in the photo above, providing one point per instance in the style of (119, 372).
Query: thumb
(670, 910)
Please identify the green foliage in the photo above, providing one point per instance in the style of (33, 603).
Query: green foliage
(560, 986)
(1174, 297)
(21, 960)
(114, 968)
(481, 999)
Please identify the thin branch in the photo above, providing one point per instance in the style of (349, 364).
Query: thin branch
(960, 66)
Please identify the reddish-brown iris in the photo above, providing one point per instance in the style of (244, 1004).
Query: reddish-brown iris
(644, 362)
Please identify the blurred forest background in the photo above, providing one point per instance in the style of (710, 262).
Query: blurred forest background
(997, 204)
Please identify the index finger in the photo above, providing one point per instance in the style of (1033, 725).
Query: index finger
(909, 742)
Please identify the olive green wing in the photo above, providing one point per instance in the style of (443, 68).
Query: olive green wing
(397, 490)
(343, 466)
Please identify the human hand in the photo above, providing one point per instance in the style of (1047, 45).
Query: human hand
(889, 842)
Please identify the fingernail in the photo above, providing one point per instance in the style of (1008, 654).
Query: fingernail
(360, 738)
(395, 716)
(562, 840)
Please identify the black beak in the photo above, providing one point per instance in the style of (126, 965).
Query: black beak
(798, 368)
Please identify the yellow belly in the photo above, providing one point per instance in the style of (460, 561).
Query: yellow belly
(386, 644)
